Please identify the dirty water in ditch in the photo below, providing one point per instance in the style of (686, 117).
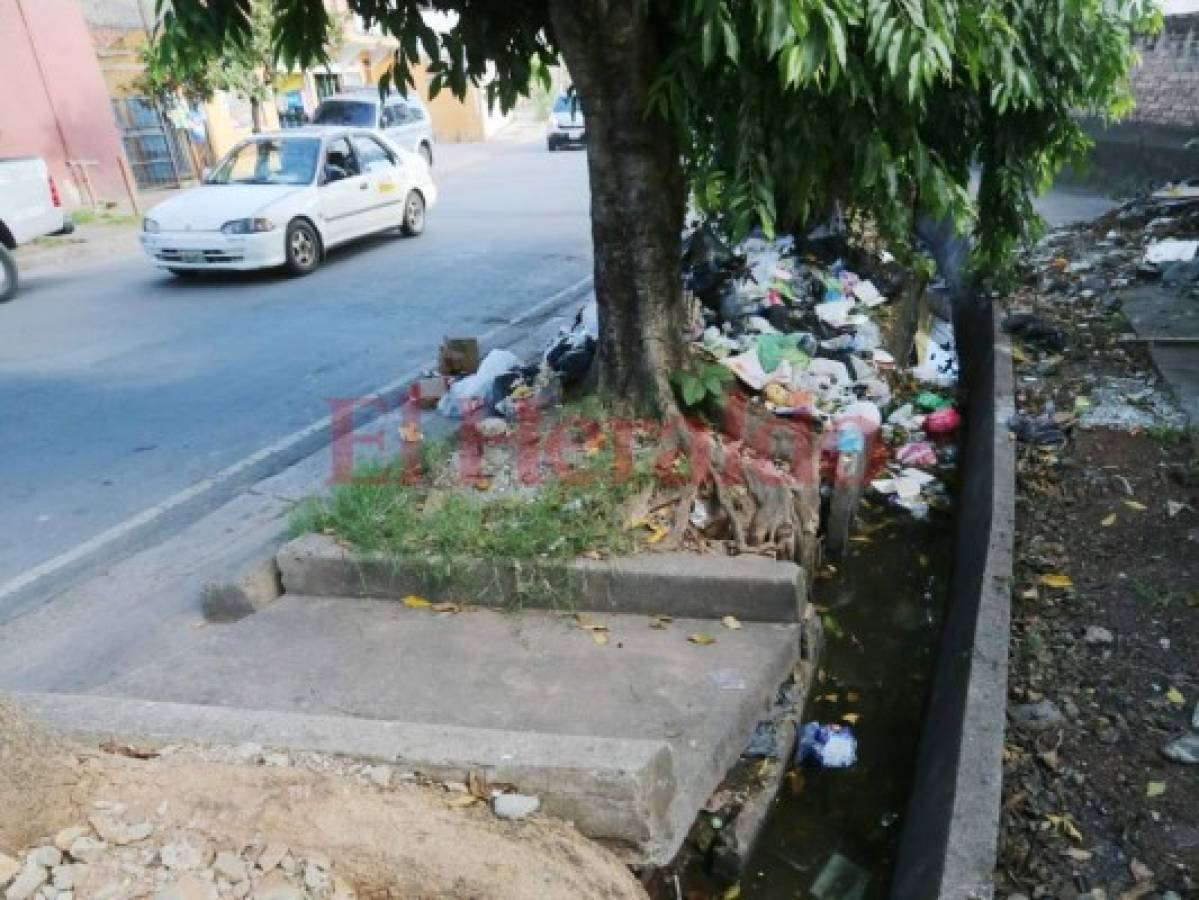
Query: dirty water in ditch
(884, 607)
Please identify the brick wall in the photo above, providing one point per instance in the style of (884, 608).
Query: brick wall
(1166, 84)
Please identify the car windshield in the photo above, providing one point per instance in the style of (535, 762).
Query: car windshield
(270, 161)
(565, 104)
(345, 112)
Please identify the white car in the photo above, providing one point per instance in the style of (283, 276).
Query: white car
(29, 208)
(403, 120)
(283, 199)
(566, 126)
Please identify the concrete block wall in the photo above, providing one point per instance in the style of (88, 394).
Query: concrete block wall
(1166, 84)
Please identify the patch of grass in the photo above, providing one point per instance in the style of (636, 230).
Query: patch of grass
(1168, 435)
(103, 217)
(561, 519)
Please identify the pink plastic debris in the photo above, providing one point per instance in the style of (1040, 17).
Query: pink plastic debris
(917, 453)
(943, 421)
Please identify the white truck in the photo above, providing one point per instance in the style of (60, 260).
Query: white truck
(30, 207)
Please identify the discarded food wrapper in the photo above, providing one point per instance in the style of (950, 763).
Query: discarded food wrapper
(826, 746)
(834, 312)
(930, 402)
(943, 421)
(868, 294)
(476, 387)
(1170, 251)
(748, 368)
(917, 453)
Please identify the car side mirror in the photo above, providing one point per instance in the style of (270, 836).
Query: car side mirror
(334, 173)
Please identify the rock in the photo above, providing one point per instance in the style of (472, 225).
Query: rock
(87, 849)
(1036, 716)
(115, 831)
(9, 868)
(65, 838)
(275, 886)
(1140, 872)
(1098, 635)
(320, 860)
(493, 426)
(515, 806)
(230, 866)
(271, 856)
(63, 878)
(181, 856)
(1183, 749)
(188, 887)
(27, 883)
(47, 856)
(378, 775)
(315, 878)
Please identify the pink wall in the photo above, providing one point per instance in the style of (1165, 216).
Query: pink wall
(53, 101)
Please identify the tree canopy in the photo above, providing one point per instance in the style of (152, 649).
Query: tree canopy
(765, 111)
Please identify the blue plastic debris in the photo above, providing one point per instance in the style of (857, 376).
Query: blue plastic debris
(826, 746)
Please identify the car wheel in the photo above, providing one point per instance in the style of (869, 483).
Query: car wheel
(427, 152)
(414, 214)
(552, 144)
(303, 248)
(8, 275)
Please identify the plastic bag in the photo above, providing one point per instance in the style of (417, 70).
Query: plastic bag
(472, 389)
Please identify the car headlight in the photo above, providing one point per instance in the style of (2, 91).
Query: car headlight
(150, 226)
(248, 226)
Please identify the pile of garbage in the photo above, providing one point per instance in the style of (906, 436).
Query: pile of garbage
(809, 341)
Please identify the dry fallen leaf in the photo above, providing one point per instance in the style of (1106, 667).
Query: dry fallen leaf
(702, 639)
(851, 696)
(1140, 871)
(111, 746)
(831, 698)
(600, 637)
(1075, 853)
(731, 623)
(447, 607)
(660, 621)
(1057, 581)
(412, 601)
(851, 718)
(1155, 789)
(1136, 504)
(1108, 521)
(463, 801)
(1066, 826)
(1174, 695)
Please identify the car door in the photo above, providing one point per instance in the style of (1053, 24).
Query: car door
(345, 192)
(387, 183)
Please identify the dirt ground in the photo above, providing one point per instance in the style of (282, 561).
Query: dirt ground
(374, 840)
(1105, 630)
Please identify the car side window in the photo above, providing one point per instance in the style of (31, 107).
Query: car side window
(403, 114)
(340, 154)
(373, 155)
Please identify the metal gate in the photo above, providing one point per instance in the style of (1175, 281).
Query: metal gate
(153, 145)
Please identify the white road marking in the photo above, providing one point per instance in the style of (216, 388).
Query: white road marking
(147, 516)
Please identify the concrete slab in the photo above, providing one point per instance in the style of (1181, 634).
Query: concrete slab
(1169, 323)
(449, 684)
(752, 588)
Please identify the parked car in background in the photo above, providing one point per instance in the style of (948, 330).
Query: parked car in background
(30, 207)
(283, 199)
(403, 120)
(566, 125)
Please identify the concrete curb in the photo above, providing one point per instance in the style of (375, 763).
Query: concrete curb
(614, 790)
(951, 829)
(684, 585)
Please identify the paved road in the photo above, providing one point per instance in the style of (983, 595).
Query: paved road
(120, 386)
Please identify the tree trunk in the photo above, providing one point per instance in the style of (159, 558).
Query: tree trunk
(256, 115)
(613, 51)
